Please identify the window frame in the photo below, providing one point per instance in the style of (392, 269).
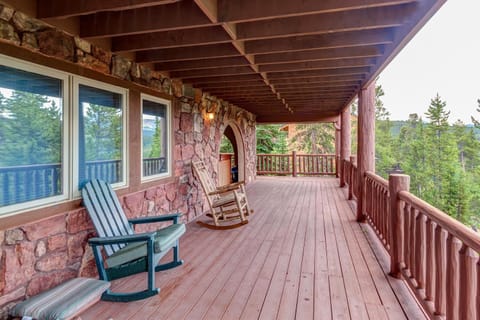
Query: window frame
(169, 122)
(76, 82)
(64, 77)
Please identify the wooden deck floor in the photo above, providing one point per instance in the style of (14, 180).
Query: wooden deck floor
(302, 256)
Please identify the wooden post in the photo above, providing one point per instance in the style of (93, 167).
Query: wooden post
(396, 183)
(294, 163)
(366, 143)
(337, 150)
(345, 142)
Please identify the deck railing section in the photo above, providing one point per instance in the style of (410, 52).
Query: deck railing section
(351, 177)
(437, 255)
(377, 207)
(296, 164)
(30, 182)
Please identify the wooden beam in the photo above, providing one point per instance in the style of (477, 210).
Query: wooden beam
(363, 19)
(65, 9)
(232, 84)
(321, 54)
(221, 79)
(321, 72)
(172, 54)
(209, 7)
(170, 39)
(336, 40)
(201, 64)
(181, 15)
(345, 142)
(239, 10)
(321, 64)
(287, 117)
(223, 71)
(319, 85)
(315, 91)
(318, 79)
(252, 90)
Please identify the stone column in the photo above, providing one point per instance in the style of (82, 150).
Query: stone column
(345, 142)
(366, 143)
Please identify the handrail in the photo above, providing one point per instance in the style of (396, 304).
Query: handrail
(378, 206)
(296, 164)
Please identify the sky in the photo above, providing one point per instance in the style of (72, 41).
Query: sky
(444, 58)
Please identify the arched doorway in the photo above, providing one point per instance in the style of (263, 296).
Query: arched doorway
(233, 135)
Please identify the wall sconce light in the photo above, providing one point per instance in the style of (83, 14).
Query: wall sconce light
(210, 115)
(209, 111)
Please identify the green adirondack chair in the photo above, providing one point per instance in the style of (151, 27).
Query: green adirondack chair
(128, 253)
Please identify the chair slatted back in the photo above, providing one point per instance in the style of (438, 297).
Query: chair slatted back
(206, 181)
(106, 212)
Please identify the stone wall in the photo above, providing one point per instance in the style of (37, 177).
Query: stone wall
(38, 256)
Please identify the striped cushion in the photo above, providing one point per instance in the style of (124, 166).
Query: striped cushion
(164, 240)
(63, 301)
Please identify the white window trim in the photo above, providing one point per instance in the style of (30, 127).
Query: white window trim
(64, 77)
(169, 156)
(77, 81)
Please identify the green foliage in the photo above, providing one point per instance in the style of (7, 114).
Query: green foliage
(30, 129)
(225, 145)
(156, 150)
(384, 143)
(270, 139)
(314, 138)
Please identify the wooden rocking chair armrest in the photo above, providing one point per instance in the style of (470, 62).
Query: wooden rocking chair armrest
(101, 241)
(152, 219)
(230, 187)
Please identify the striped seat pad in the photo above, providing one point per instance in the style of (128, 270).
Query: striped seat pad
(63, 301)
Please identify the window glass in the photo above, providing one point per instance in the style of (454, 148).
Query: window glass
(31, 139)
(154, 138)
(100, 132)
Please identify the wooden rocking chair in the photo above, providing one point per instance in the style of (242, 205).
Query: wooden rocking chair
(128, 253)
(227, 203)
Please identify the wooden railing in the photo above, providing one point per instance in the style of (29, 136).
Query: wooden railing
(436, 255)
(351, 173)
(26, 183)
(296, 164)
(377, 207)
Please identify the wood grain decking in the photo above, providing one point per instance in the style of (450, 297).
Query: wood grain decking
(302, 256)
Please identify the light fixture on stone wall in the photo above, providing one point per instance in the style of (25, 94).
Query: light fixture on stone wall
(210, 110)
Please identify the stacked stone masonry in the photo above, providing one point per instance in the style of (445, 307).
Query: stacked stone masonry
(40, 255)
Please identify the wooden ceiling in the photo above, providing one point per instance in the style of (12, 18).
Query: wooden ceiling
(284, 60)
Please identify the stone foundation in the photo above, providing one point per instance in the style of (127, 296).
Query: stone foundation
(40, 255)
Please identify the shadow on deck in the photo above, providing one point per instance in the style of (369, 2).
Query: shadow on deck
(302, 256)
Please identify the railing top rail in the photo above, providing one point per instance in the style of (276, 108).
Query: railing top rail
(454, 227)
(274, 154)
(31, 167)
(381, 181)
(298, 154)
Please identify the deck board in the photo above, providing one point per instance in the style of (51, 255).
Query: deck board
(302, 256)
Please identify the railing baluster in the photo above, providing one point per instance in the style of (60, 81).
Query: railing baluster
(430, 262)
(412, 243)
(406, 238)
(467, 284)
(440, 264)
(420, 250)
(452, 278)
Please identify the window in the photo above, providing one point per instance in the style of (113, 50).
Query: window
(156, 148)
(101, 133)
(32, 131)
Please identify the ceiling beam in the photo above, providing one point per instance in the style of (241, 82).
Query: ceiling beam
(223, 71)
(320, 54)
(201, 64)
(170, 39)
(65, 9)
(336, 40)
(321, 64)
(232, 84)
(318, 79)
(180, 15)
(363, 19)
(221, 79)
(239, 10)
(221, 50)
(318, 85)
(321, 72)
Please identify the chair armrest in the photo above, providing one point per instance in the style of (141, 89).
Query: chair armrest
(228, 188)
(100, 241)
(166, 217)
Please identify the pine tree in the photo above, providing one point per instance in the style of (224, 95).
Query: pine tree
(156, 150)
(383, 138)
(315, 138)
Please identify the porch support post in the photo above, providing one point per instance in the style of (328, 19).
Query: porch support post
(396, 183)
(345, 142)
(366, 143)
(337, 149)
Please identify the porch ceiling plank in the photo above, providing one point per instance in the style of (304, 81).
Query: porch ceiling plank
(201, 64)
(317, 79)
(254, 90)
(238, 10)
(171, 39)
(222, 71)
(320, 54)
(362, 19)
(180, 15)
(336, 40)
(65, 9)
(321, 64)
(220, 79)
(308, 91)
(232, 84)
(321, 72)
(319, 85)
(222, 50)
